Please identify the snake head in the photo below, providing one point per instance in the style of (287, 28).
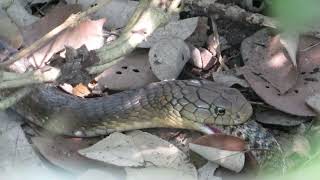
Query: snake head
(227, 105)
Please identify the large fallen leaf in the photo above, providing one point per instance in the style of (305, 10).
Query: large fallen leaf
(266, 57)
(177, 29)
(306, 82)
(134, 71)
(168, 57)
(117, 149)
(274, 117)
(9, 32)
(156, 173)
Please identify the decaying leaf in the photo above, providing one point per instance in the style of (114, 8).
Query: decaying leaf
(156, 173)
(274, 117)
(80, 90)
(117, 149)
(181, 29)
(168, 57)
(306, 82)
(134, 71)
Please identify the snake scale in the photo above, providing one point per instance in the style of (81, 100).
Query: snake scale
(187, 104)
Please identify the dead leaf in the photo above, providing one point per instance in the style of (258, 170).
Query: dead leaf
(81, 90)
(274, 117)
(222, 141)
(264, 55)
(117, 149)
(134, 71)
(168, 57)
(233, 160)
(156, 173)
(181, 29)
(306, 85)
(9, 32)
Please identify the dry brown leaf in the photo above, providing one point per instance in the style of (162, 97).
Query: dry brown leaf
(265, 55)
(80, 90)
(306, 85)
(221, 141)
(290, 41)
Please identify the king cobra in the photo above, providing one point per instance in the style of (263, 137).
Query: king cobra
(186, 104)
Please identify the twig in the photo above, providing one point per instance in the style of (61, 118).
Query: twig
(73, 20)
(236, 13)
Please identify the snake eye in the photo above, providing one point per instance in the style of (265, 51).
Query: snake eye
(219, 111)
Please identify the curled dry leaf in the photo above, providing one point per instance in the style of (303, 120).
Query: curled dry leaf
(134, 71)
(221, 141)
(222, 149)
(290, 40)
(306, 82)
(81, 90)
(168, 57)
